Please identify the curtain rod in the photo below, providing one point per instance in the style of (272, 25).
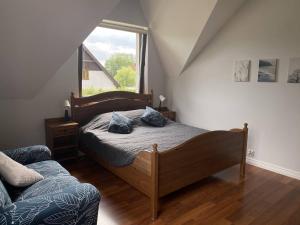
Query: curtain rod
(123, 26)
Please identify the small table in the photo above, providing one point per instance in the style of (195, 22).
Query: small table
(62, 138)
(167, 113)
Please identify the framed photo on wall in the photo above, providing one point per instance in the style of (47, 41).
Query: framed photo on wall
(241, 70)
(294, 71)
(267, 70)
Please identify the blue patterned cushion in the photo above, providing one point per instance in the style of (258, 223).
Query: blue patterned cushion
(153, 118)
(58, 199)
(4, 197)
(47, 186)
(30, 154)
(78, 204)
(48, 168)
(120, 124)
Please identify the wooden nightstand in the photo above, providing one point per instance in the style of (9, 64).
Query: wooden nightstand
(167, 113)
(62, 138)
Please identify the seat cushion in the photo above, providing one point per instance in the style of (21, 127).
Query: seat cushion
(4, 197)
(48, 168)
(55, 179)
(47, 186)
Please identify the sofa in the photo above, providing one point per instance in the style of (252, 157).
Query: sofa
(57, 199)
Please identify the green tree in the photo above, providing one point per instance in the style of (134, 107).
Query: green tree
(126, 76)
(117, 61)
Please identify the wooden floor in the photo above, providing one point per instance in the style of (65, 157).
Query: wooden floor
(262, 198)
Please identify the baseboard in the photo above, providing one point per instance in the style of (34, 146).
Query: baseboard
(274, 168)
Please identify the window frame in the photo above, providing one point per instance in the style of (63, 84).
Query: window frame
(117, 26)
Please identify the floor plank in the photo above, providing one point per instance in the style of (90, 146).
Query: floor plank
(262, 197)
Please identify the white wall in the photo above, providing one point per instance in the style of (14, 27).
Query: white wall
(154, 72)
(206, 95)
(37, 37)
(181, 29)
(22, 121)
(176, 26)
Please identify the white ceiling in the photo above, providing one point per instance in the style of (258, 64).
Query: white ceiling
(181, 29)
(37, 37)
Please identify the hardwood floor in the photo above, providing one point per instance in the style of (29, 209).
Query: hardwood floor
(263, 198)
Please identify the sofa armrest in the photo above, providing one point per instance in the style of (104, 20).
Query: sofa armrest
(30, 154)
(74, 205)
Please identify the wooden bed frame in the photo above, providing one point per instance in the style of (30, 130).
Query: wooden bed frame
(155, 173)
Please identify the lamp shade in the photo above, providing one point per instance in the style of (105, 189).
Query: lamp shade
(67, 104)
(162, 98)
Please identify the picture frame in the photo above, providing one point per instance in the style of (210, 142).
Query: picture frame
(242, 71)
(267, 70)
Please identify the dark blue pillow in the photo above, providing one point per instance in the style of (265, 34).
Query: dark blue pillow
(120, 124)
(153, 118)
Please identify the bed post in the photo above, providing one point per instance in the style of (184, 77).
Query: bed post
(72, 103)
(151, 99)
(154, 182)
(243, 162)
(72, 97)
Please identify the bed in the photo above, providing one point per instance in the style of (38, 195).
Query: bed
(167, 165)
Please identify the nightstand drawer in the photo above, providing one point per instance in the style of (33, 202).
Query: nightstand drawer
(58, 132)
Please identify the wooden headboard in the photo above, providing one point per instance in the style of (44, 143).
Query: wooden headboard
(85, 108)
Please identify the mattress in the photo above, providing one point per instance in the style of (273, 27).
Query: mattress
(121, 149)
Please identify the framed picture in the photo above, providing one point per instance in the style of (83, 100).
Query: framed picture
(241, 70)
(267, 70)
(294, 71)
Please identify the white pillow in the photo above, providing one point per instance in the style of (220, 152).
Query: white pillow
(16, 174)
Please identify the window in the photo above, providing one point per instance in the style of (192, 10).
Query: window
(109, 60)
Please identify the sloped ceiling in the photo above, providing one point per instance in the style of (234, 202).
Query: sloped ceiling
(37, 37)
(181, 29)
(128, 11)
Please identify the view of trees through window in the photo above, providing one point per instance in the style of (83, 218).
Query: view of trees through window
(109, 61)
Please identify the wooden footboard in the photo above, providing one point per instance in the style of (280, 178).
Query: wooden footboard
(197, 158)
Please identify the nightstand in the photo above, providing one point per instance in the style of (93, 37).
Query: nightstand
(62, 138)
(167, 113)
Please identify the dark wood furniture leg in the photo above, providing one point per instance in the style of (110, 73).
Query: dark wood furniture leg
(154, 181)
(243, 162)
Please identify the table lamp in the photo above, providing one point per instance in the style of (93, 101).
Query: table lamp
(161, 100)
